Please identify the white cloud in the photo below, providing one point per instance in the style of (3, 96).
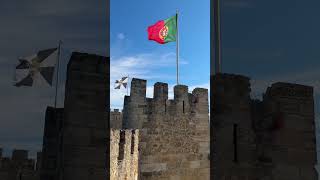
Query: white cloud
(141, 66)
(121, 36)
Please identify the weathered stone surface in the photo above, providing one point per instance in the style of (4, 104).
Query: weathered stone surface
(85, 133)
(273, 139)
(115, 119)
(51, 143)
(124, 154)
(269, 139)
(19, 165)
(174, 139)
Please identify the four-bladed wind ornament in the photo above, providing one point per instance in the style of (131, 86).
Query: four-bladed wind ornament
(36, 70)
(123, 81)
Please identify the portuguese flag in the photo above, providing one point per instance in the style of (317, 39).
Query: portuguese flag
(163, 31)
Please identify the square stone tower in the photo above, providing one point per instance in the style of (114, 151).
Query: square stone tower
(287, 132)
(233, 139)
(85, 130)
(115, 119)
(272, 139)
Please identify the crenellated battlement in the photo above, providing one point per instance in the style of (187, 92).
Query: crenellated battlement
(181, 94)
(124, 154)
(115, 111)
(165, 123)
(18, 157)
(115, 119)
(281, 124)
(160, 91)
(137, 107)
(138, 88)
(290, 90)
(17, 154)
(231, 84)
(230, 77)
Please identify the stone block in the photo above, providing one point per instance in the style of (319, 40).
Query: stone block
(195, 164)
(154, 167)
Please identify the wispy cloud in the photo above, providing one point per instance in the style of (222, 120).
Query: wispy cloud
(143, 66)
(121, 36)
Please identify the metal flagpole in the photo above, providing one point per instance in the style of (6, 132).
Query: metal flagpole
(217, 36)
(177, 47)
(58, 123)
(57, 75)
(128, 86)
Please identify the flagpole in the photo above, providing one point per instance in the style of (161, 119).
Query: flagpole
(217, 36)
(128, 86)
(177, 47)
(59, 123)
(57, 75)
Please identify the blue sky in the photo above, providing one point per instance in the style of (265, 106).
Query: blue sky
(132, 53)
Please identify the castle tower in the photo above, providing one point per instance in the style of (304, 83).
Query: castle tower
(233, 141)
(116, 119)
(269, 139)
(135, 105)
(160, 93)
(85, 143)
(289, 131)
(174, 133)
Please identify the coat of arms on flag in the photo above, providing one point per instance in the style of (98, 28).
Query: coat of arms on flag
(163, 31)
(37, 69)
(123, 81)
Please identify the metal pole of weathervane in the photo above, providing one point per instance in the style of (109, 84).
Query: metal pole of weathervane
(57, 75)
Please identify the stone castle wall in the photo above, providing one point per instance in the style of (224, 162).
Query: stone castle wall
(269, 139)
(288, 131)
(174, 133)
(124, 154)
(115, 119)
(19, 166)
(51, 147)
(233, 137)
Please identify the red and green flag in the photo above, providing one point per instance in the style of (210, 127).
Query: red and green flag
(163, 31)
